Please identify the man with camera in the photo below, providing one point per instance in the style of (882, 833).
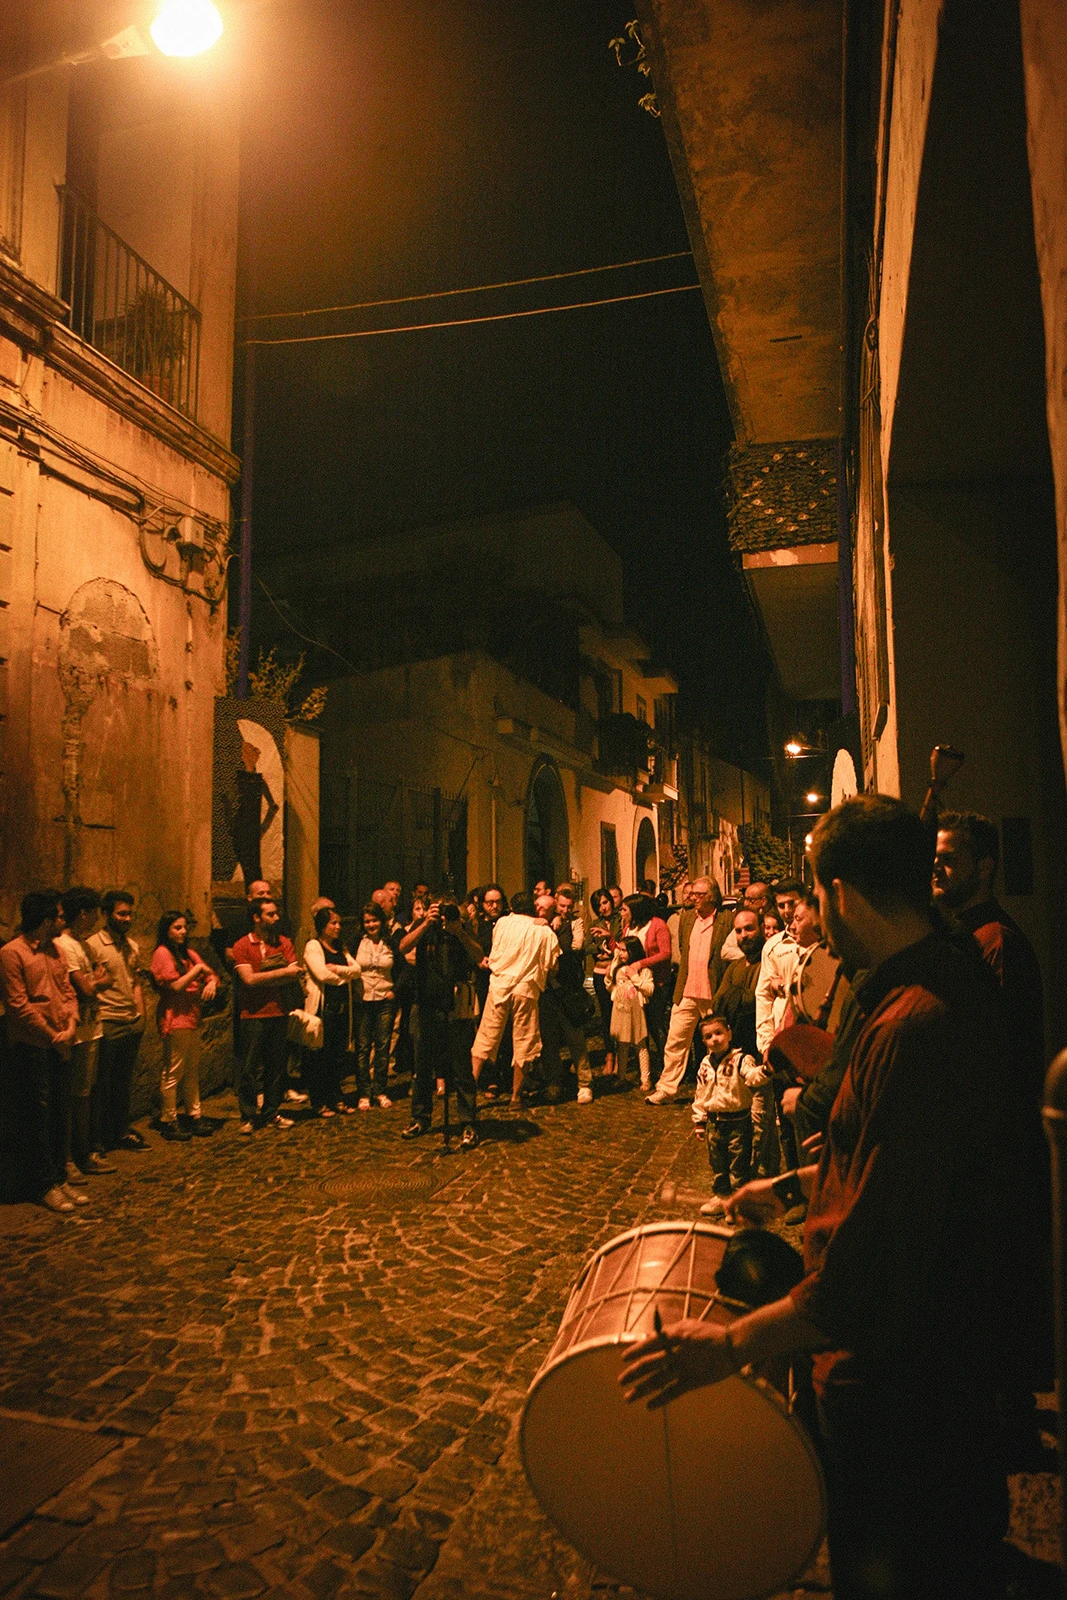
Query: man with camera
(445, 1008)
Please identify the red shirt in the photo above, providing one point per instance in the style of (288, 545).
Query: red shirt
(907, 1237)
(656, 938)
(178, 1008)
(266, 999)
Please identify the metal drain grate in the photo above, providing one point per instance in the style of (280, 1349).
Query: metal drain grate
(374, 1183)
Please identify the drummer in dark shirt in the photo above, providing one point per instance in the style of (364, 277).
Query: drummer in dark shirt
(905, 1250)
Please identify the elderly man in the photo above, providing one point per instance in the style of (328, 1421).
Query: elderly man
(563, 1002)
(908, 1246)
(702, 932)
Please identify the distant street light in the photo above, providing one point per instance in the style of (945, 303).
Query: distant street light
(812, 798)
(186, 27)
(794, 748)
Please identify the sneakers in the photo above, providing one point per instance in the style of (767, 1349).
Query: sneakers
(173, 1134)
(469, 1139)
(715, 1207)
(293, 1097)
(278, 1121)
(56, 1199)
(414, 1130)
(658, 1097)
(585, 1095)
(74, 1172)
(97, 1164)
(132, 1140)
(384, 1101)
(364, 1103)
(247, 1128)
(76, 1196)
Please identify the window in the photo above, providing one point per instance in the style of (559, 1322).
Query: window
(608, 691)
(642, 710)
(609, 855)
(12, 156)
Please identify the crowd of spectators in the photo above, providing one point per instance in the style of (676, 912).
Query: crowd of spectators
(481, 997)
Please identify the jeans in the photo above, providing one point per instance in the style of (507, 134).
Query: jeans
(325, 1068)
(375, 1032)
(429, 1035)
(657, 1013)
(557, 1029)
(114, 1084)
(41, 1082)
(729, 1149)
(181, 1069)
(766, 1151)
(461, 1031)
(603, 1000)
(263, 1064)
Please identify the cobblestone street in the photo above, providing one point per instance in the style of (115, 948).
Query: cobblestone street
(313, 1391)
(309, 1351)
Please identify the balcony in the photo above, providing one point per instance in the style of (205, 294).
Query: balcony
(123, 308)
(624, 746)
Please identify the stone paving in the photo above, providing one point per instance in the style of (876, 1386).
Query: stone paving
(315, 1394)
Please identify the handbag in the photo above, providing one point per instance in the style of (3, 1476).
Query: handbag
(802, 1049)
(305, 1028)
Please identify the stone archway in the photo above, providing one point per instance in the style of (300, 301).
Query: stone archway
(547, 833)
(645, 854)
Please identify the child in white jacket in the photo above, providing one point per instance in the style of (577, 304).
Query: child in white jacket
(723, 1104)
(630, 992)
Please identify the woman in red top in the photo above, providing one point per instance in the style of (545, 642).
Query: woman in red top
(183, 980)
(652, 931)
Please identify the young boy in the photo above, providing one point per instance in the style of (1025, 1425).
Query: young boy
(723, 1103)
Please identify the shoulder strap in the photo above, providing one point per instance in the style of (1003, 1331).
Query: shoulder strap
(828, 1004)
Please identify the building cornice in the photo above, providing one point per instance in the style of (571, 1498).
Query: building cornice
(34, 319)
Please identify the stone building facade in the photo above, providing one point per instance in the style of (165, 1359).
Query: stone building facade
(118, 215)
(876, 194)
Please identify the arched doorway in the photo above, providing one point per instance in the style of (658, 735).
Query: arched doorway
(547, 837)
(645, 863)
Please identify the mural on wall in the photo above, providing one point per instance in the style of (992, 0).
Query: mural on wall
(248, 803)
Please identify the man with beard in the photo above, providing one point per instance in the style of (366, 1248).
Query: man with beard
(736, 999)
(905, 1249)
(965, 867)
(493, 906)
(267, 971)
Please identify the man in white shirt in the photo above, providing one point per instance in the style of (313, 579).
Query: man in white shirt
(702, 931)
(524, 952)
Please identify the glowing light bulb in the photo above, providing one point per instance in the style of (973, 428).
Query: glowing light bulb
(186, 27)
(812, 798)
(807, 840)
(793, 748)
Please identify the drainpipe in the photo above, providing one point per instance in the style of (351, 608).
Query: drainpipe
(846, 612)
(244, 607)
(1054, 1114)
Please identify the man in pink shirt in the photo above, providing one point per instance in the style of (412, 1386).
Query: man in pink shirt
(702, 932)
(42, 1018)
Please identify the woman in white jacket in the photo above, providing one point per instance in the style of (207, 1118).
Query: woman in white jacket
(332, 985)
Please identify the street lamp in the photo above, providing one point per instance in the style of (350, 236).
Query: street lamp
(181, 28)
(812, 798)
(186, 27)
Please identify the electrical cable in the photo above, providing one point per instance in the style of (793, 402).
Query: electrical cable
(478, 288)
(466, 322)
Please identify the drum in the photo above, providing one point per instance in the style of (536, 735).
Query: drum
(718, 1495)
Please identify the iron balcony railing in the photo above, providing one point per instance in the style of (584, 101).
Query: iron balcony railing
(124, 308)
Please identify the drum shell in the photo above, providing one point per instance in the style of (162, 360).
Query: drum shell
(676, 1502)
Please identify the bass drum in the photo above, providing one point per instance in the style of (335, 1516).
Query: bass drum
(719, 1495)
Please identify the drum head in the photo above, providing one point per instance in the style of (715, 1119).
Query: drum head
(718, 1496)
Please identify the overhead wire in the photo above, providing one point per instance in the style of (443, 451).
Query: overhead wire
(478, 288)
(467, 322)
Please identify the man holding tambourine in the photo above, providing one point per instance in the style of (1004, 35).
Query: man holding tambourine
(905, 1255)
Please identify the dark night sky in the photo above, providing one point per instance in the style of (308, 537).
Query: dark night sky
(397, 149)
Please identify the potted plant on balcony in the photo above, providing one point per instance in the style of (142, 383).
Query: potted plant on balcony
(158, 342)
